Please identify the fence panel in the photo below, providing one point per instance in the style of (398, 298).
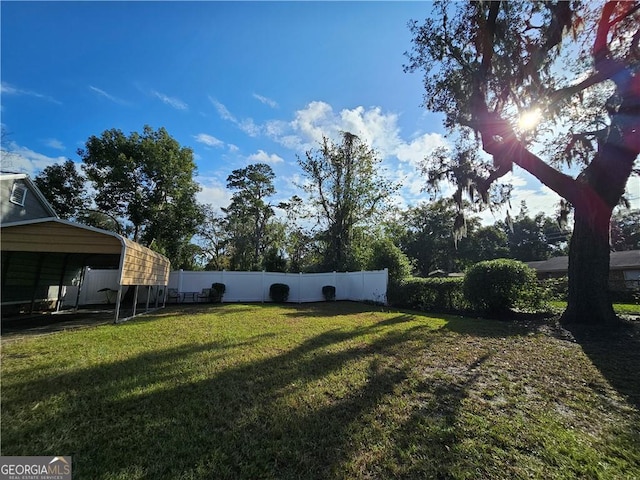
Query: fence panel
(253, 286)
(96, 280)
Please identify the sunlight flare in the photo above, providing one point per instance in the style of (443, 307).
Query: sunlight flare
(530, 119)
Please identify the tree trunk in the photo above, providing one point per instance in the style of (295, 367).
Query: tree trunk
(588, 299)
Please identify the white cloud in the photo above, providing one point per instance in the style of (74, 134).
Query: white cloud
(55, 143)
(7, 89)
(247, 125)
(401, 156)
(376, 128)
(24, 160)
(518, 180)
(417, 149)
(265, 100)
(209, 140)
(106, 95)
(213, 192)
(224, 113)
(527, 188)
(263, 157)
(311, 124)
(171, 101)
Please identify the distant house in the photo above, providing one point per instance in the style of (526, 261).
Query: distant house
(42, 254)
(21, 200)
(624, 269)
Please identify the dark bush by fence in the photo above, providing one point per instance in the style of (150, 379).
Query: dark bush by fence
(329, 293)
(217, 291)
(279, 292)
(429, 294)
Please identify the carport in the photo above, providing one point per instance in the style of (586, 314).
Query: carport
(41, 256)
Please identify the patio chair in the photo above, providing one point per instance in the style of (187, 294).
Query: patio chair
(173, 295)
(205, 295)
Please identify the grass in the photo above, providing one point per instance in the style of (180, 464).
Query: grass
(619, 308)
(333, 391)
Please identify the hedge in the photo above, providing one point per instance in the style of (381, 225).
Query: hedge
(429, 294)
(496, 286)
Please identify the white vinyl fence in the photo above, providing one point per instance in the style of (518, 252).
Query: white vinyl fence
(243, 286)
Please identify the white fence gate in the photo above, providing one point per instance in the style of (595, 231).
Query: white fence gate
(244, 286)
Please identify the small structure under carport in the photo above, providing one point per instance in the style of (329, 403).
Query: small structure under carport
(41, 255)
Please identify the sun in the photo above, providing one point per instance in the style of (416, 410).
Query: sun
(530, 119)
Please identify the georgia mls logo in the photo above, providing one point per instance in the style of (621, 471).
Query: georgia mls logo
(35, 468)
(59, 465)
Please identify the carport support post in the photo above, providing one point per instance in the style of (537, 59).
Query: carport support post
(118, 300)
(36, 282)
(82, 276)
(135, 301)
(60, 284)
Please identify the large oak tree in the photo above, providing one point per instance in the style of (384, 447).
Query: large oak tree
(146, 180)
(575, 64)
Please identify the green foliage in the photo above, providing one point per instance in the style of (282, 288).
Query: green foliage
(485, 67)
(555, 289)
(279, 292)
(64, 188)
(385, 254)
(625, 233)
(429, 294)
(217, 291)
(212, 238)
(248, 216)
(300, 244)
(496, 286)
(329, 293)
(273, 261)
(346, 189)
(426, 236)
(147, 181)
(533, 238)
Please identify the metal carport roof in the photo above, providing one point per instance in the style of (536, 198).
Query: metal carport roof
(138, 265)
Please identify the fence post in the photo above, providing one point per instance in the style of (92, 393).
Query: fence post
(362, 292)
(262, 283)
(180, 272)
(299, 287)
(386, 285)
(225, 286)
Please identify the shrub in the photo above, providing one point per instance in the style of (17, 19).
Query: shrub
(385, 254)
(496, 286)
(555, 288)
(279, 292)
(217, 291)
(329, 293)
(429, 294)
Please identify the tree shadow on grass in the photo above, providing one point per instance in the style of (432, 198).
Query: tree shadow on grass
(615, 351)
(328, 309)
(182, 413)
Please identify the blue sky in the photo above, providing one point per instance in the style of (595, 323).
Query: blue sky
(238, 82)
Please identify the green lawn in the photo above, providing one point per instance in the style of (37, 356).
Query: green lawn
(331, 390)
(619, 308)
